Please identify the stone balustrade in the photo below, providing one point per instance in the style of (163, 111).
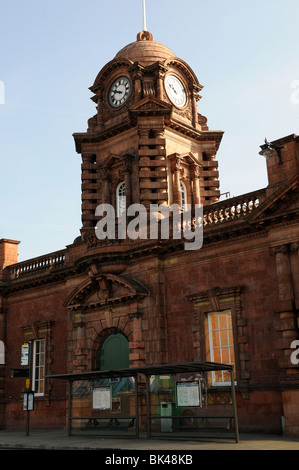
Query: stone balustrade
(232, 208)
(40, 265)
(222, 211)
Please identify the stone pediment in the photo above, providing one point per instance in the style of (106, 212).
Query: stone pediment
(104, 73)
(114, 160)
(151, 105)
(283, 202)
(184, 159)
(186, 70)
(252, 212)
(103, 290)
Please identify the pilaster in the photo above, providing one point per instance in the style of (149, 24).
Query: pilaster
(152, 161)
(89, 190)
(287, 319)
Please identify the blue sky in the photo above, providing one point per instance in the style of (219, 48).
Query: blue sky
(244, 53)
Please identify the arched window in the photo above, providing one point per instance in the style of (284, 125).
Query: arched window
(183, 195)
(121, 199)
(114, 353)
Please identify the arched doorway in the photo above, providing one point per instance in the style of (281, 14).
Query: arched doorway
(114, 353)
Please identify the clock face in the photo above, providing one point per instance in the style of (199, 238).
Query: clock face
(176, 91)
(119, 92)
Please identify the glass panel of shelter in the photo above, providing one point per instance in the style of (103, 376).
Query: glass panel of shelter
(106, 406)
(175, 400)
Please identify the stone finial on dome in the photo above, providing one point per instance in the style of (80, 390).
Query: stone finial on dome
(145, 36)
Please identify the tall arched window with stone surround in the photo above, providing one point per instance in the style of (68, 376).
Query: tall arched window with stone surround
(121, 198)
(183, 195)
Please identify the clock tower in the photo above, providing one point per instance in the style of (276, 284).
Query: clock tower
(147, 142)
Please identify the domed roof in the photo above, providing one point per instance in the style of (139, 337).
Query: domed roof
(145, 50)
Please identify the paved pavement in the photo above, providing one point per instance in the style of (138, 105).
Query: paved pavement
(59, 440)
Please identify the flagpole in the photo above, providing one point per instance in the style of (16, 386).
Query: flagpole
(144, 16)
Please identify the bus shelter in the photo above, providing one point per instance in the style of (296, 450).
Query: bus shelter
(165, 401)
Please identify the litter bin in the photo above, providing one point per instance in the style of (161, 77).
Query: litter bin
(166, 410)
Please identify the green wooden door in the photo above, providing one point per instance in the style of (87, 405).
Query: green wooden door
(114, 353)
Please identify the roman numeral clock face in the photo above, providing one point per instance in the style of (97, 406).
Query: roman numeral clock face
(175, 91)
(119, 92)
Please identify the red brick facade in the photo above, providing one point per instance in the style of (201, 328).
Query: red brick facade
(155, 292)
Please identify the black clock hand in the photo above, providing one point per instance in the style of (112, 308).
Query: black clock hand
(171, 86)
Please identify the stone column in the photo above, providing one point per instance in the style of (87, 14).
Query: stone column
(160, 88)
(195, 180)
(136, 71)
(194, 107)
(160, 74)
(138, 89)
(176, 186)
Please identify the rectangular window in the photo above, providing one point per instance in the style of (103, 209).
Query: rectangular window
(221, 344)
(38, 366)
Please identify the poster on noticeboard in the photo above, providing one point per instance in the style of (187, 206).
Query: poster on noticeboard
(102, 398)
(188, 394)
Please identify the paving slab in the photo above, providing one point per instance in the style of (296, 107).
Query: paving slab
(59, 440)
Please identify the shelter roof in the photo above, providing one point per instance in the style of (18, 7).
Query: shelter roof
(145, 370)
